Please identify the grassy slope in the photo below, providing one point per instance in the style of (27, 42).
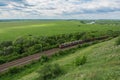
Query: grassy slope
(11, 30)
(103, 64)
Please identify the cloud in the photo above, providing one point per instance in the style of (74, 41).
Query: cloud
(56, 8)
(3, 4)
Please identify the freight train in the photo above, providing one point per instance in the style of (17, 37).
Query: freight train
(64, 45)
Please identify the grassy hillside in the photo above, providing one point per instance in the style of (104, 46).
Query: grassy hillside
(103, 63)
(13, 29)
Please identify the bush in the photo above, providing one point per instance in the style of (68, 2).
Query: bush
(85, 45)
(62, 52)
(38, 47)
(6, 43)
(34, 49)
(118, 41)
(80, 60)
(50, 71)
(8, 50)
(18, 49)
(44, 58)
(15, 70)
(2, 60)
(86, 36)
(1, 52)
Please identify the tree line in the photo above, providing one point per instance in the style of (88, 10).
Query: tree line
(27, 45)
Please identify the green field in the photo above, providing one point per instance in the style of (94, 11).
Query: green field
(103, 63)
(12, 29)
(26, 37)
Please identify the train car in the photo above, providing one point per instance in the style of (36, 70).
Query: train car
(80, 41)
(64, 45)
(61, 46)
(89, 40)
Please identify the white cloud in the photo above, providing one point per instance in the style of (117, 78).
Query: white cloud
(57, 8)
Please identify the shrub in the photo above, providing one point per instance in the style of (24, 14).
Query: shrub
(65, 52)
(56, 54)
(38, 47)
(15, 70)
(18, 49)
(50, 71)
(44, 58)
(62, 52)
(31, 50)
(6, 43)
(1, 52)
(85, 45)
(2, 60)
(118, 41)
(8, 50)
(34, 49)
(86, 36)
(80, 60)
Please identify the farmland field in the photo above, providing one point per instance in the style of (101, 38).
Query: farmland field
(10, 30)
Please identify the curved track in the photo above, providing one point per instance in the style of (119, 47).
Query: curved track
(28, 59)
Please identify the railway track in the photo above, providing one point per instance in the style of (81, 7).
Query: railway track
(28, 59)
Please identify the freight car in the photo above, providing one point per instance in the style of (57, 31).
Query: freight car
(64, 45)
(70, 44)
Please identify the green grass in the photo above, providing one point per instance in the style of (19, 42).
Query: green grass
(103, 63)
(12, 30)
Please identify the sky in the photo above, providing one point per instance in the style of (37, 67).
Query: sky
(59, 9)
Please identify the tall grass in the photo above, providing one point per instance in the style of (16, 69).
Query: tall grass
(118, 41)
(80, 60)
(50, 71)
